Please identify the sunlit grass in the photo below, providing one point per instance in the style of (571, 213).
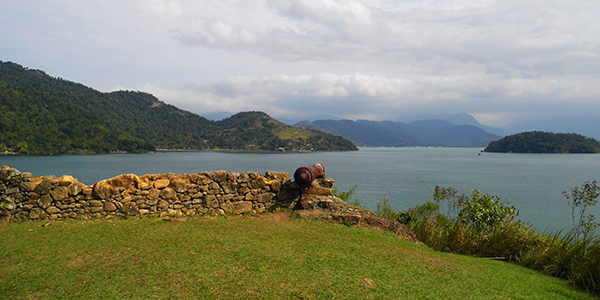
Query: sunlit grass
(265, 257)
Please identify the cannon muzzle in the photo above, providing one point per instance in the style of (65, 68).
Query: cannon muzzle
(304, 176)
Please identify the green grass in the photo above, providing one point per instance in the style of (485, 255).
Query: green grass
(266, 257)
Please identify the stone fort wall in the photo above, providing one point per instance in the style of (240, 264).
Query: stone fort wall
(24, 196)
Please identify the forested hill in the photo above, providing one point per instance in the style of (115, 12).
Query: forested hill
(40, 114)
(544, 142)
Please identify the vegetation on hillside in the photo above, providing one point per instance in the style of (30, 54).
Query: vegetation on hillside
(41, 114)
(544, 142)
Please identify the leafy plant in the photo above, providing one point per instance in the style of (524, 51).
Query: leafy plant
(385, 210)
(481, 212)
(581, 198)
(347, 196)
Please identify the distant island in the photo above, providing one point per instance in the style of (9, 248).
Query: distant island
(544, 142)
(41, 114)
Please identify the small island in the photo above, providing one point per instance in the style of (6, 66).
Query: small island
(544, 142)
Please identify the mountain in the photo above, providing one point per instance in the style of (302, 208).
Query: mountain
(544, 142)
(40, 114)
(438, 133)
(457, 119)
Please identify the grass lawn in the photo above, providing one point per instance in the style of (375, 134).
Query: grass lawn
(272, 256)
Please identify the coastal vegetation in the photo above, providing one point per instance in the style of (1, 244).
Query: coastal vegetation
(544, 142)
(271, 256)
(482, 225)
(41, 114)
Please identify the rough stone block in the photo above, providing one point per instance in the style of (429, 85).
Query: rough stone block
(242, 207)
(52, 210)
(265, 197)
(161, 183)
(168, 194)
(211, 201)
(60, 193)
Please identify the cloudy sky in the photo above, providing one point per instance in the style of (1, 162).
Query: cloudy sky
(501, 61)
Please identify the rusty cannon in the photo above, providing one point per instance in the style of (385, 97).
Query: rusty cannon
(304, 176)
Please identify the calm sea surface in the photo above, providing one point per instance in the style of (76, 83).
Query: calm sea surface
(533, 183)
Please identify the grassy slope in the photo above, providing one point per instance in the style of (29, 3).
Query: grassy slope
(266, 257)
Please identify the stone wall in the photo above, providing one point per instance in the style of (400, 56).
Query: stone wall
(24, 196)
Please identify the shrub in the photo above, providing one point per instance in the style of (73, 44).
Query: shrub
(347, 196)
(481, 225)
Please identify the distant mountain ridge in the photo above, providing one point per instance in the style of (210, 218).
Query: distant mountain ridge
(41, 114)
(435, 133)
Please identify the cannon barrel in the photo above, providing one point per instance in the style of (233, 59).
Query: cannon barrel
(304, 176)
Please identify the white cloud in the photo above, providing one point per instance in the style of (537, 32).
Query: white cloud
(502, 60)
(351, 95)
(170, 8)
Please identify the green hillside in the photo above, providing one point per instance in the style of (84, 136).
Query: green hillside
(544, 142)
(41, 114)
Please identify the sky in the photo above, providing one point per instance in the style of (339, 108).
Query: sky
(500, 61)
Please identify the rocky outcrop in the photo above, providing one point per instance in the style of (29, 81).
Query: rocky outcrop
(318, 202)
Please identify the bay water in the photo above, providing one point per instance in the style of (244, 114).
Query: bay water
(405, 177)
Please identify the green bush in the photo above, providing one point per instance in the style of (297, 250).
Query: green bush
(482, 225)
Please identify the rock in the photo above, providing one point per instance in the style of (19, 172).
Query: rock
(259, 183)
(45, 201)
(35, 214)
(227, 207)
(103, 189)
(12, 190)
(130, 209)
(153, 193)
(265, 197)
(32, 183)
(168, 194)
(44, 186)
(211, 201)
(60, 193)
(174, 212)
(282, 176)
(162, 204)
(66, 180)
(242, 207)
(229, 187)
(161, 183)
(95, 209)
(75, 188)
(95, 203)
(53, 210)
(179, 185)
(110, 207)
